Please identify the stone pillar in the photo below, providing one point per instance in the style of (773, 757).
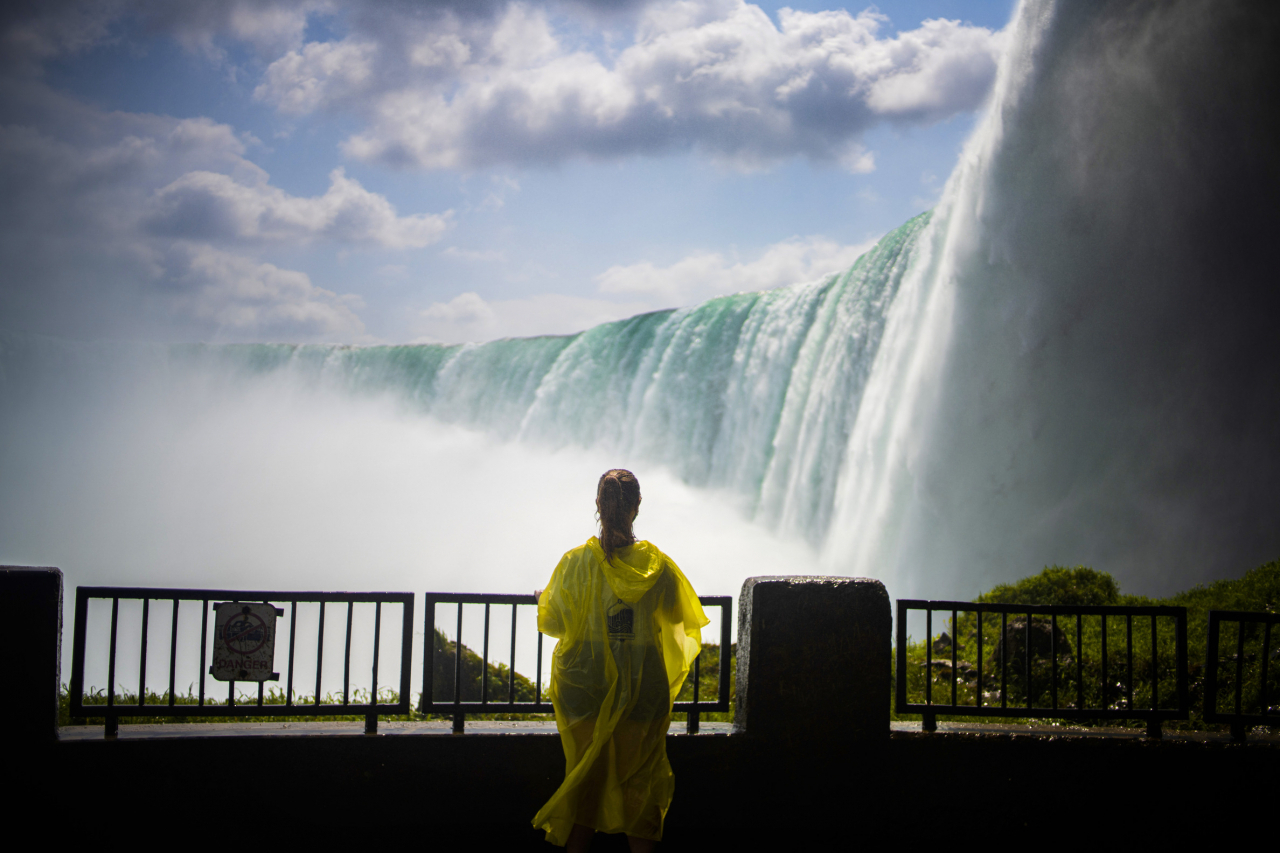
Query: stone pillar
(31, 635)
(813, 658)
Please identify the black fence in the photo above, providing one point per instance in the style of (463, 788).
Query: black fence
(484, 704)
(1034, 659)
(112, 710)
(1252, 668)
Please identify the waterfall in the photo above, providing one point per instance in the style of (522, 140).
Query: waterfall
(1070, 360)
(1081, 366)
(754, 393)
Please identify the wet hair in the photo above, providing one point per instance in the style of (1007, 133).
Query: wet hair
(617, 499)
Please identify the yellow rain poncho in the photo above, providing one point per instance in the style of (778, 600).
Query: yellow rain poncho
(629, 630)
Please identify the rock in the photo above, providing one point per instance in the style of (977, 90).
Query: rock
(942, 645)
(1014, 644)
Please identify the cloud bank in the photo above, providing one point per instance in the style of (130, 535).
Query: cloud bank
(126, 222)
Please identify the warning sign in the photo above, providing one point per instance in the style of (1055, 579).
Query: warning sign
(244, 642)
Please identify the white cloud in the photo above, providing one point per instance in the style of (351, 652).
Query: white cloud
(469, 317)
(451, 84)
(125, 224)
(212, 206)
(320, 73)
(703, 276)
(235, 295)
(634, 289)
(718, 76)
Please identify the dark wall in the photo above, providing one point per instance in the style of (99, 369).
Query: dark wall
(729, 789)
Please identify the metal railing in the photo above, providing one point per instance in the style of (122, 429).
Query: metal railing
(459, 708)
(113, 710)
(1238, 718)
(1025, 669)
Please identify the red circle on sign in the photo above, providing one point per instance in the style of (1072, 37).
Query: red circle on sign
(244, 633)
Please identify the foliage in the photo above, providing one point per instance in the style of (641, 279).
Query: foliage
(1080, 664)
(709, 684)
(1057, 585)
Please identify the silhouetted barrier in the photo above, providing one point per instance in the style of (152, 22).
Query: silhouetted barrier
(811, 743)
(1033, 659)
(456, 704)
(253, 630)
(1258, 675)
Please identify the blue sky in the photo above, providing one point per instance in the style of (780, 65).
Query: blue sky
(301, 170)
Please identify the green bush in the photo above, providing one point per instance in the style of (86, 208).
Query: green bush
(1080, 672)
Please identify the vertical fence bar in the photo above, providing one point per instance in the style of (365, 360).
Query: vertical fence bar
(955, 641)
(260, 686)
(1155, 668)
(484, 660)
(691, 719)
(1004, 656)
(1180, 644)
(1239, 665)
(77, 650)
(346, 658)
(1211, 667)
(142, 653)
(457, 659)
(377, 641)
(1053, 651)
(511, 673)
(1106, 693)
(293, 630)
(231, 694)
(1266, 651)
(726, 633)
(1079, 666)
(315, 700)
(173, 651)
(111, 660)
(406, 653)
(928, 658)
(900, 671)
(1153, 721)
(538, 697)
(459, 718)
(978, 700)
(428, 651)
(204, 643)
(1027, 655)
(371, 718)
(1128, 649)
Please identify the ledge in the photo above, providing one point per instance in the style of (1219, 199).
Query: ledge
(1056, 732)
(187, 731)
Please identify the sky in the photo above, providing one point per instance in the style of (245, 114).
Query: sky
(394, 172)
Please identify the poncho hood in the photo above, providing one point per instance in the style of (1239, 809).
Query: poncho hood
(633, 570)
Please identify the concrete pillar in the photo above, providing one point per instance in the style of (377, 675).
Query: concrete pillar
(31, 635)
(813, 658)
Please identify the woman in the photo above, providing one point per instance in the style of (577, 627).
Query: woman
(629, 627)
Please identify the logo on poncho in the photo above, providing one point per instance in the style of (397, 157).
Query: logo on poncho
(620, 619)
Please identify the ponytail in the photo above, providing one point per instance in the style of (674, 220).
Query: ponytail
(617, 501)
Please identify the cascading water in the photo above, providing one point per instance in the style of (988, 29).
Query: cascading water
(1068, 361)
(754, 393)
(1081, 367)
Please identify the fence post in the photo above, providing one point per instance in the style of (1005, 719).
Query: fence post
(31, 630)
(813, 658)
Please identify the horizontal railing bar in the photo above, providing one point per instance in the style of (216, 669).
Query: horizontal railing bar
(478, 598)
(135, 592)
(352, 710)
(1044, 609)
(1044, 713)
(1247, 616)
